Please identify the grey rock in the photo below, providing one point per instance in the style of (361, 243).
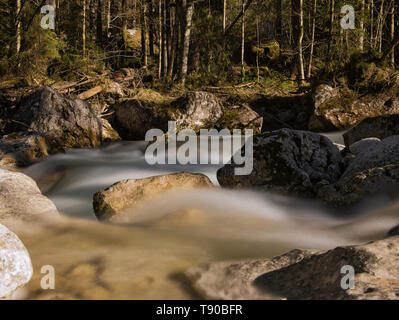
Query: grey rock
(110, 204)
(22, 201)
(378, 127)
(197, 110)
(15, 264)
(373, 171)
(364, 145)
(343, 109)
(288, 161)
(305, 275)
(65, 123)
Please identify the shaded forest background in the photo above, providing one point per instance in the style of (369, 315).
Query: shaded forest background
(189, 43)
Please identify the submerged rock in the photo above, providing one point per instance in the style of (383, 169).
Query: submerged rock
(305, 274)
(22, 201)
(374, 170)
(15, 264)
(378, 127)
(288, 161)
(110, 203)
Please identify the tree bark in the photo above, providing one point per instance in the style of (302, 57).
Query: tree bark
(242, 40)
(361, 37)
(144, 27)
(84, 28)
(313, 39)
(300, 40)
(18, 26)
(393, 33)
(186, 42)
(331, 32)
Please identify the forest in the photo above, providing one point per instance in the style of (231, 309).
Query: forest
(193, 43)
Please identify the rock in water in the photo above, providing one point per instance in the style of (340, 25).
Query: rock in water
(109, 203)
(379, 127)
(21, 200)
(305, 275)
(289, 162)
(372, 171)
(15, 264)
(65, 123)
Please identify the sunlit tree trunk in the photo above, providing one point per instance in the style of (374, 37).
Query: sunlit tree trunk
(243, 40)
(300, 41)
(361, 38)
(313, 38)
(224, 15)
(144, 27)
(18, 26)
(84, 28)
(186, 41)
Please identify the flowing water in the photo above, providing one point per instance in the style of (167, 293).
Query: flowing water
(146, 259)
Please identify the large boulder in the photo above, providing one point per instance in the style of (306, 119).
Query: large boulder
(373, 170)
(15, 264)
(305, 274)
(288, 161)
(133, 118)
(378, 127)
(21, 150)
(63, 122)
(342, 109)
(109, 204)
(241, 117)
(197, 110)
(22, 201)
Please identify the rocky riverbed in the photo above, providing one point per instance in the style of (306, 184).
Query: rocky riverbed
(166, 231)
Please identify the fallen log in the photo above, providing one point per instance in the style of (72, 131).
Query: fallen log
(91, 92)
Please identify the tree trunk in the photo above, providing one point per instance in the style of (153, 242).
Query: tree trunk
(160, 39)
(331, 32)
(165, 55)
(371, 23)
(151, 28)
(99, 23)
(300, 40)
(108, 19)
(186, 42)
(18, 26)
(393, 33)
(361, 38)
(124, 25)
(224, 15)
(313, 39)
(84, 28)
(144, 27)
(243, 40)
